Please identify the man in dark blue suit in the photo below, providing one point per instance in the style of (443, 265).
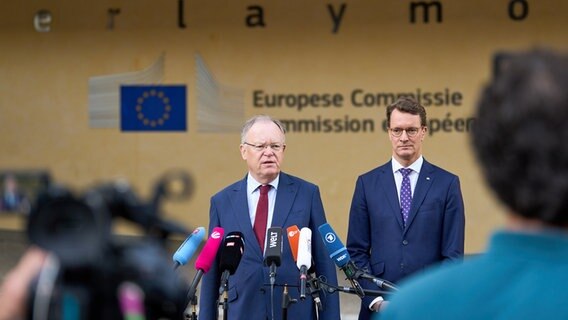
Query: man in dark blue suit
(406, 214)
(291, 201)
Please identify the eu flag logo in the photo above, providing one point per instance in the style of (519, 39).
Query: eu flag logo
(153, 108)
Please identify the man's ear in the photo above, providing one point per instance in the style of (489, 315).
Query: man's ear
(243, 151)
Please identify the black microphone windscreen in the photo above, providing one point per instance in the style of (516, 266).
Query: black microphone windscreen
(273, 253)
(231, 252)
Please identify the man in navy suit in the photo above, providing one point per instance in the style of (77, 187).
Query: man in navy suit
(392, 232)
(291, 201)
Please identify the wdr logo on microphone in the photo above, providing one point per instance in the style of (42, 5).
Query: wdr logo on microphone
(330, 237)
(342, 257)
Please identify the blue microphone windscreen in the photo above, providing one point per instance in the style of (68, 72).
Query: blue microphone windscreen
(337, 251)
(189, 246)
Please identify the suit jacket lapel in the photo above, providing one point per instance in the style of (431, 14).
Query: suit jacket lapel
(285, 196)
(239, 202)
(388, 184)
(423, 184)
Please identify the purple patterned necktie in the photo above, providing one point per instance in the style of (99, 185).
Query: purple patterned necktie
(405, 194)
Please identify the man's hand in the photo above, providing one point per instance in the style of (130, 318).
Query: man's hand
(379, 305)
(14, 289)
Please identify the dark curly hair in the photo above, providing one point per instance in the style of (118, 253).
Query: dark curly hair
(520, 136)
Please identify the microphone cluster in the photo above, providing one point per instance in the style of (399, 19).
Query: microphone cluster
(231, 247)
(206, 258)
(300, 240)
(301, 246)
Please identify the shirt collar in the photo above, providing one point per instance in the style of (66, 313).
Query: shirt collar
(252, 184)
(415, 166)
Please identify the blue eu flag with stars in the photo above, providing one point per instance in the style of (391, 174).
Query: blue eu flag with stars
(153, 108)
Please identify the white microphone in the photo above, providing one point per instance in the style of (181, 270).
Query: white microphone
(304, 261)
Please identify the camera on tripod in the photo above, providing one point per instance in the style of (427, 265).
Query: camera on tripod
(92, 273)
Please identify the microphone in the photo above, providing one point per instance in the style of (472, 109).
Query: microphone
(373, 293)
(273, 253)
(338, 253)
(230, 256)
(206, 258)
(293, 237)
(131, 299)
(187, 249)
(273, 257)
(304, 258)
(381, 283)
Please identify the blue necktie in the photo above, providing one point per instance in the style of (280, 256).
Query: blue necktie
(405, 194)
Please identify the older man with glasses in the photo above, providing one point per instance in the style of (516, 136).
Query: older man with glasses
(265, 198)
(406, 214)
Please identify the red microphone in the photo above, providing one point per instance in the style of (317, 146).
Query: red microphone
(293, 237)
(206, 258)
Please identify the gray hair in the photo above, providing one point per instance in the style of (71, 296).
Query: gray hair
(260, 118)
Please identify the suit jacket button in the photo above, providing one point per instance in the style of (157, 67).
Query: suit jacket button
(404, 242)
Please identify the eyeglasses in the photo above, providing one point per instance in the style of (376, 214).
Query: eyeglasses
(411, 132)
(273, 146)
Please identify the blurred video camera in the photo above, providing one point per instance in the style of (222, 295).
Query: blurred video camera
(94, 274)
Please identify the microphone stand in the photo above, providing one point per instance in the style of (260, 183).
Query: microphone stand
(272, 275)
(372, 293)
(314, 287)
(351, 271)
(192, 295)
(225, 304)
(193, 304)
(322, 285)
(286, 302)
